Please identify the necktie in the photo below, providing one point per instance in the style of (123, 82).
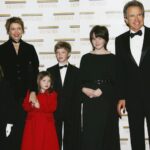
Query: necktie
(136, 33)
(60, 67)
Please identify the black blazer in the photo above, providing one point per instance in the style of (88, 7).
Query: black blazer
(20, 70)
(134, 80)
(68, 100)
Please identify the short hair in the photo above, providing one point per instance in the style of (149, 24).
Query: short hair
(132, 3)
(1, 73)
(62, 44)
(14, 20)
(40, 76)
(99, 31)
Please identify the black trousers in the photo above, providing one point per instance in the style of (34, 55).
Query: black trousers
(137, 113)
(17, 130)
(71, 135)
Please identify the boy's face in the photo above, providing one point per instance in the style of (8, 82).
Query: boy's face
(62, 55)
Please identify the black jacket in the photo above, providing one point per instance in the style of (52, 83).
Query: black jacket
(135, 80)
(68, 94)
(20, 70)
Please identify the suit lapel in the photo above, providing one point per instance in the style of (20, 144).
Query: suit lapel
(127, 47)
(67, 76)
(58, 76)
(146, 44)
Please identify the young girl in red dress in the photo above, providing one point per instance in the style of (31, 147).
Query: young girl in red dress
(39, 131)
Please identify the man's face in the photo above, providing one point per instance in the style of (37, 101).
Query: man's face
(134, 18)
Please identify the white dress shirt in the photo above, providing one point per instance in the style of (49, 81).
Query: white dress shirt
(136, 45)
(63, 72)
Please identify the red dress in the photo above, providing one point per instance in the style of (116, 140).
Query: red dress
(39, 131)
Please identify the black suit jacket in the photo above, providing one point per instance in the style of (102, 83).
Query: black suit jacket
(68, 94)
(134, 80)
(20, 70)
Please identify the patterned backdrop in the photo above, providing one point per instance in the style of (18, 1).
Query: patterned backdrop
(48, 21)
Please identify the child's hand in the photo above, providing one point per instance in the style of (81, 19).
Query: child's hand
(36, 104)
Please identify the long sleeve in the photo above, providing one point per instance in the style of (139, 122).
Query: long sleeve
(120, 71)
(49, 104)
(81, 78)
(33, 70)
(26, 104)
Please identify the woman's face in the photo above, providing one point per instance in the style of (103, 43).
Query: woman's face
(15, 31)
(98, 42)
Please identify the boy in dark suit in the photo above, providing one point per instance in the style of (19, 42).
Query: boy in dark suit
(66, 84)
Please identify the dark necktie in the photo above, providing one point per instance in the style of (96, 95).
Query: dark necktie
(136, 33)
(65, 66)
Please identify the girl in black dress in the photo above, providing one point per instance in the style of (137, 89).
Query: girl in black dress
(99, 96)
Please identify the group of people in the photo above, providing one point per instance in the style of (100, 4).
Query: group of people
(42, 110)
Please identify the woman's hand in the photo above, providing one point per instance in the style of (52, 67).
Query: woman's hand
(98, 92)
(88, 92)
(33, 100)
(8, 129)
(91, 93)
(32, 97)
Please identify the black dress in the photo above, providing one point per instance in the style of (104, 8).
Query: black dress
(100, 120)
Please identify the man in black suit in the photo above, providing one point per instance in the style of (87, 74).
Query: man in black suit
(133, 53)
(67, 115)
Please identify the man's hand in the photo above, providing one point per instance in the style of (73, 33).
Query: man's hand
(121, 106)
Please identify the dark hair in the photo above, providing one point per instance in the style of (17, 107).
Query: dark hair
(133, 3)
(14, 20)
(99, 31)
(62, 44)
(40, 76)
(1, 73)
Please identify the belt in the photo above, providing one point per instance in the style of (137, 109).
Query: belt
(103, 81)
(99, 82)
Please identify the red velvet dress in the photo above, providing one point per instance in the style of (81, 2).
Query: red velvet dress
(39, 131)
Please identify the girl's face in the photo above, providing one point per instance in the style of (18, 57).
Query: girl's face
(15, 31)
(45, 83)
(98, 42)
